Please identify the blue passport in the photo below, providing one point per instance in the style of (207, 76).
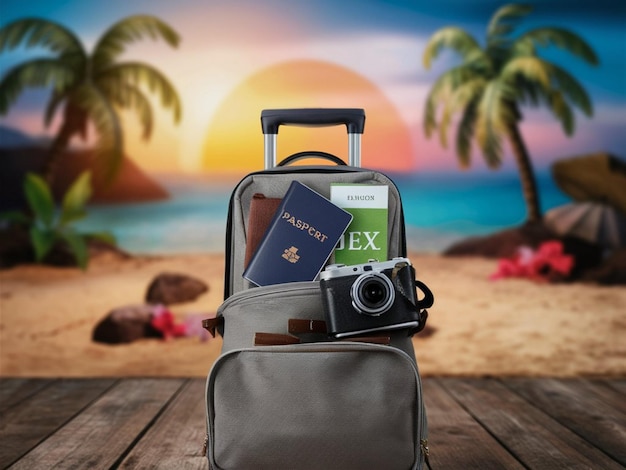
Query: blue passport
(299, 239)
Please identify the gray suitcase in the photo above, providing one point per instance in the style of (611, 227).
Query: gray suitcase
(274, 180)
(317, 403)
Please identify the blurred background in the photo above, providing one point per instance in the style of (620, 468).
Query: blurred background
(222, 62)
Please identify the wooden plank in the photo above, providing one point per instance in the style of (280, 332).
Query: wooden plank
(104, 431)
(590, 410)
(176, 438)
(618, 384)
(456, 440)
(38, 415)
(536, 439)
(609, 392)
(14, 390)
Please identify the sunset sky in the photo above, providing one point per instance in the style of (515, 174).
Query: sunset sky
(239, 56)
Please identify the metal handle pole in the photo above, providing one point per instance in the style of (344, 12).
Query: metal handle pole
(354, 149)
(270, 150)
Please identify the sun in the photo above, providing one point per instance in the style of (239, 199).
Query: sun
(234, 141)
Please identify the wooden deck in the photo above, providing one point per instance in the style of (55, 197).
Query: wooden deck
(159, 423)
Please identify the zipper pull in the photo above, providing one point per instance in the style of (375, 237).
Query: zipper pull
(426, 452)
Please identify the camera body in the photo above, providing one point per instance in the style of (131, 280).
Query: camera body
(369, 297)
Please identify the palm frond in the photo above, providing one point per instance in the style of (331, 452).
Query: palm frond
(488, 131)
(503, 21)
(454, 38)
(51, 108)
(143, 74)
(126, 96)
(437, 93)
(536, 78)
(38, 32)
(465, 133)
(558, 37)
(496, 111)
(462, 96)
(562, 111)
(109, 145)
(32, 74)
(134, 28)
(572, 89)
(528, 69)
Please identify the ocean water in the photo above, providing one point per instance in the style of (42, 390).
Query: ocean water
(440, 208)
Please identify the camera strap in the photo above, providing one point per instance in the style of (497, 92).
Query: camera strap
(421, 305)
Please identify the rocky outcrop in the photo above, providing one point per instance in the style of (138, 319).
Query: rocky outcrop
(174, 288)
(126, 324)
(591, 263)
(611, 271)
(502, 244)
(130, 185)
(153, 319)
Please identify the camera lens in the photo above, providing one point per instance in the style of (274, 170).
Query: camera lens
(372, 294)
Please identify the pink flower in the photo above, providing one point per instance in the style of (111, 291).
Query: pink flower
(193, 324)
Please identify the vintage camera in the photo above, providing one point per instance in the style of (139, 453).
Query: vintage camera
(371, 297)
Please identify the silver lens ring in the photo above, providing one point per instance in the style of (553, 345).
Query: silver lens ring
(358, 292)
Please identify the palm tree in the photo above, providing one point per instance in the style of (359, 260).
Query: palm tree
(91, 88)
(491, 84)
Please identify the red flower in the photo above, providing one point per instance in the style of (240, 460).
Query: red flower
(163, 320)
(547, 263)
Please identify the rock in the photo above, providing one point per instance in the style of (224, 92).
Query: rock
(131, 184)
(503, 244)
(612, 270)
(16, 248)
(172, 288)
(586, 255)
(126, 324)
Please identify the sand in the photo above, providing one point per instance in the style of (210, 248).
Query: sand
(481, 327)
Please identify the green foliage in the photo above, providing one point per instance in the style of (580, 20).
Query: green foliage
(90, 87)
(48, 226)
(490, 84)
(486, 90)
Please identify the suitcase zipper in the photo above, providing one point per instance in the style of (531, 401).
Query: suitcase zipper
(254, 292)
(425, 452)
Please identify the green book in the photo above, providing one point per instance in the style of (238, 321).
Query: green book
(366, 237)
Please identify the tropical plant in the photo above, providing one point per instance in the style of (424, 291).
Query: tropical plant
(488, 88)
(92, 88)
(48, 227)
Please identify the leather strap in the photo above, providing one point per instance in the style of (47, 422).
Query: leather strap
(212, 324)
(299, 326)
(386, 340)
(274, 339)
(277, 339)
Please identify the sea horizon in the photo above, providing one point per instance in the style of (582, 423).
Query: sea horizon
(440, 209)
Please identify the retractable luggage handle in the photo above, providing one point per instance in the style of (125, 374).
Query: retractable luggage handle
(352, 118)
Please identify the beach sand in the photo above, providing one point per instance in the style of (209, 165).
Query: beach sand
(481, 327)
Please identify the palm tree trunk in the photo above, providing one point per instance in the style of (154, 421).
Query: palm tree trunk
(527, 174)
(58, 146)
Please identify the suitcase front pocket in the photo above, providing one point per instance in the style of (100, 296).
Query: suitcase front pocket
(315, 406)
